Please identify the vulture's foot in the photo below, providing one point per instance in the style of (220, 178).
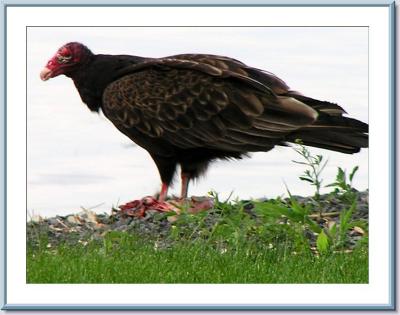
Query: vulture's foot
(138, 208)
(193, 204)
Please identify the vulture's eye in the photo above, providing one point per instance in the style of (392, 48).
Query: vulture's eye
(63, 59)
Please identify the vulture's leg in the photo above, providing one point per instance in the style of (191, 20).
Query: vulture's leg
(185, 184)
(190, 170)
(163, 192)
(166, 167)
(194, 204)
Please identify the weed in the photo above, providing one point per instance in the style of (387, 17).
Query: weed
(315, 165)
(335, 235)
(343, 186)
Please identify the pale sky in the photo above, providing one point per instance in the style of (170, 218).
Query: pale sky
(78, 159)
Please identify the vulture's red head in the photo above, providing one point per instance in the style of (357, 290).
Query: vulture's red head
(67, 59)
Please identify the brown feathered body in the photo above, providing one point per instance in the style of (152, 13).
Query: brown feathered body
(191, 109)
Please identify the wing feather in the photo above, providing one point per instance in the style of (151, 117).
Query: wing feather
(203, 102)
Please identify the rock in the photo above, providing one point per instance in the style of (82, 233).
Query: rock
(88, 216)
(53, 221)
(36, 218)
(73, 219)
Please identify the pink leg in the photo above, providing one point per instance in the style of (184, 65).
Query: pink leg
(163, 193)
(185, 185)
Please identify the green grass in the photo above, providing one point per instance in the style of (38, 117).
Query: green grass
(129, 260)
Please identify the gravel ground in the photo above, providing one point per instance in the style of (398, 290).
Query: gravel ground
(89, 226)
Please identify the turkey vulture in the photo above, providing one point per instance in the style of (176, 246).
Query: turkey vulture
(192, 109)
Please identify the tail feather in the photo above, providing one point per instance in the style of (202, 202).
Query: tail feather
(343, 141)
(331, 130)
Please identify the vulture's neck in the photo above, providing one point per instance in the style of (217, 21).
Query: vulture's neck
(93, 77)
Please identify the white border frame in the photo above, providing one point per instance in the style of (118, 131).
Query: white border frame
(389, 304)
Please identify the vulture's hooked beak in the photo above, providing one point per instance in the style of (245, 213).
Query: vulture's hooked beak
(45, 74)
